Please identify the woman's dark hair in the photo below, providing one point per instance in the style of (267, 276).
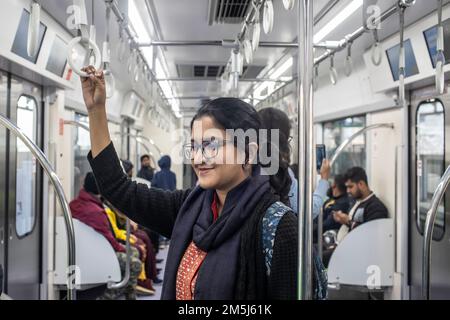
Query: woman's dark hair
(340, 180)
(233, 113)
(274, 119)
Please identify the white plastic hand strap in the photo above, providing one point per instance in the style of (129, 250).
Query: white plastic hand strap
(333, 71)
(33, 30)
(96, 54)
(268, 16)
(348, 59)
(440, 61)
(377, 54)
(248, 50)
(289, 4)
(316, 78)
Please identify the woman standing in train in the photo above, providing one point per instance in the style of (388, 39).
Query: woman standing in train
(220, 230)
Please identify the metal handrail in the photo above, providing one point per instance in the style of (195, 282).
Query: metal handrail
(42, 159)
(126, 278)
(123, 283)
(428, 232)
(343, 145)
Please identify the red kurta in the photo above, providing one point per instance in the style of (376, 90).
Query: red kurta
(190, 265)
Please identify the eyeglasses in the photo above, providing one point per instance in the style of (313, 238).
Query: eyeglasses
(210, 149)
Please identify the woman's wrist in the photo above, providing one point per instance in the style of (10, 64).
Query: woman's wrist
(97, 111)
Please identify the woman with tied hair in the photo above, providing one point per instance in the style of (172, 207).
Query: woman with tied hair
(275, 119)
(231, 236)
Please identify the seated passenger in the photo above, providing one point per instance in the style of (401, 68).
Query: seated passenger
(88, 208)
(151, 235)
(165, 179)
(146, 172)
(367, 207)
(338, 201)
(274, 119)
(144, 286)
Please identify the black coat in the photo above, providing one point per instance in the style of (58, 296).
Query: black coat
(369, 210)
(157, 209)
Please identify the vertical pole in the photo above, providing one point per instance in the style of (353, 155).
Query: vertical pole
(306, 147)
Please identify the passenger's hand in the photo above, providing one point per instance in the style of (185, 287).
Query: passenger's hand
(325, 170)
(341, 217)
(94, 89)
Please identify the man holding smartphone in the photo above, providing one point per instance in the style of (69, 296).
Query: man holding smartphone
(367, 207)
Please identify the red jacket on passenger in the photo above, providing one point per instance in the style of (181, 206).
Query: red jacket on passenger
(89, 209)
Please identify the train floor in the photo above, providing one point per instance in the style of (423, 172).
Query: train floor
(162, 254)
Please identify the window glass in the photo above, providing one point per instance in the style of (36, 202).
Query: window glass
(335, 133)
(430, 162)
(410, 60)
(26, 168)
(82, 146)
(431, 40)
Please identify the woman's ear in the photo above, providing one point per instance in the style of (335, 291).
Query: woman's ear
(253, 153)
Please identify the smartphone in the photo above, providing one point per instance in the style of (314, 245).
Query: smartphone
(321, 155)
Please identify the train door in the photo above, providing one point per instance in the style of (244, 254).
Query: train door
(430, 156)
(20, 190)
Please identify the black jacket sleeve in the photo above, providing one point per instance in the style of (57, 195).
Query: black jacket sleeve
(282, 284)
(150, 207)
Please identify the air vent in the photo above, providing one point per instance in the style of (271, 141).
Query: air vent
(214, 71)
(228, 11)
(199, 71)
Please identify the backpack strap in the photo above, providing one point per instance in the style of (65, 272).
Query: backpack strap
(270, 222)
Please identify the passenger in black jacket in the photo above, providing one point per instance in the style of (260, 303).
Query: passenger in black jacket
(216, 229)
(367, 207)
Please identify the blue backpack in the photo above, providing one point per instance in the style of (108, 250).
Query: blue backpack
(271, 219)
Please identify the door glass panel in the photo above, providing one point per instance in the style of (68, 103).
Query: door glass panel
(335, 133)
(430, 162)
(26, 168)
(82, 146)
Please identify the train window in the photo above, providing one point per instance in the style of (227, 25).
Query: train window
(335, 133)
(431, 40)
(20, 41)
(26, 168)
(393, 53)
(430, 162)
(82, 146)
(57, 62)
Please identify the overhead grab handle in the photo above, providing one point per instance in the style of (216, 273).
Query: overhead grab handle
(43, 161)
(316, 77)
(440, 56)
(109, 77)
(349, 59)
(377, 53)
(33, 29)
(256, 36)
(85, 36)
(289, 4)
(333, 71)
